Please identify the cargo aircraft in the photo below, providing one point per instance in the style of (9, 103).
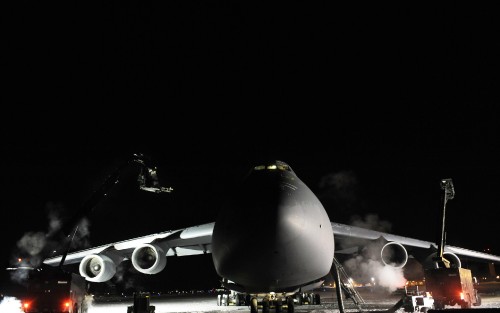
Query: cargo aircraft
(282, 245)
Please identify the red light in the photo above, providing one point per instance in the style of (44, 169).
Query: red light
(66, 305)
(461, 296)
(26, 305)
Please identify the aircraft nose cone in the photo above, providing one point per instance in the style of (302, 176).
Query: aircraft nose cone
(273, 228)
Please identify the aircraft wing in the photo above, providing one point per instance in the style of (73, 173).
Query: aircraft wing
(98, 264)
(348, 232)
(186, 241)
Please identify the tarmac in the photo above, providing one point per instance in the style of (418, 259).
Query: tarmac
(372, 302)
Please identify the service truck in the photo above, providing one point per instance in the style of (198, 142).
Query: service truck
(451, 286)
(53, 290)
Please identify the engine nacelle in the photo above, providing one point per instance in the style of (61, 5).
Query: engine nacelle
(394, 254)
(450, 256)
(97, 268)
(149, 258)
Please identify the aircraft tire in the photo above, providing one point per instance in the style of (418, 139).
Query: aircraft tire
(279, 306)
(241, 299)
(309, 298)
(317, 298)
(290, 305)
(265, 305)
(253, 305)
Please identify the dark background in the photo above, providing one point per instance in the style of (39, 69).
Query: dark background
(371, 105)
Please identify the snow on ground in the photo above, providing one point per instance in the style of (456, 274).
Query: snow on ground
(207, 304)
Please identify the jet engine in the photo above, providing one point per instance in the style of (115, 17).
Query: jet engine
(450, 256)
(149, 259)
(390, 253)
(394, 254)
(97, 268)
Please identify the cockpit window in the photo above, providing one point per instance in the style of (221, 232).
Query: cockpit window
(273, 166)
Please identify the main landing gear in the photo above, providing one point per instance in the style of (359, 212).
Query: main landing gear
(270, 301)
(280, 303)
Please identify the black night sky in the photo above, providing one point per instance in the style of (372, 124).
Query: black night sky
(371, 105)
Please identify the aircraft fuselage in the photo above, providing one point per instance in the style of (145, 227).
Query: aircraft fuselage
(276, 236)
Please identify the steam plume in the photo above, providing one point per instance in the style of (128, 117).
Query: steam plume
(35, 246)
(341, 196)
(367, 266)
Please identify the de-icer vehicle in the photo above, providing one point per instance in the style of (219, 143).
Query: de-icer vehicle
(451, 286)
(54, 290)
(448, 282)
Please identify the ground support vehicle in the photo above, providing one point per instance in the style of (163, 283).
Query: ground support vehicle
(55, 291)
(451, 286)
(417, 302)
(268, 301)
